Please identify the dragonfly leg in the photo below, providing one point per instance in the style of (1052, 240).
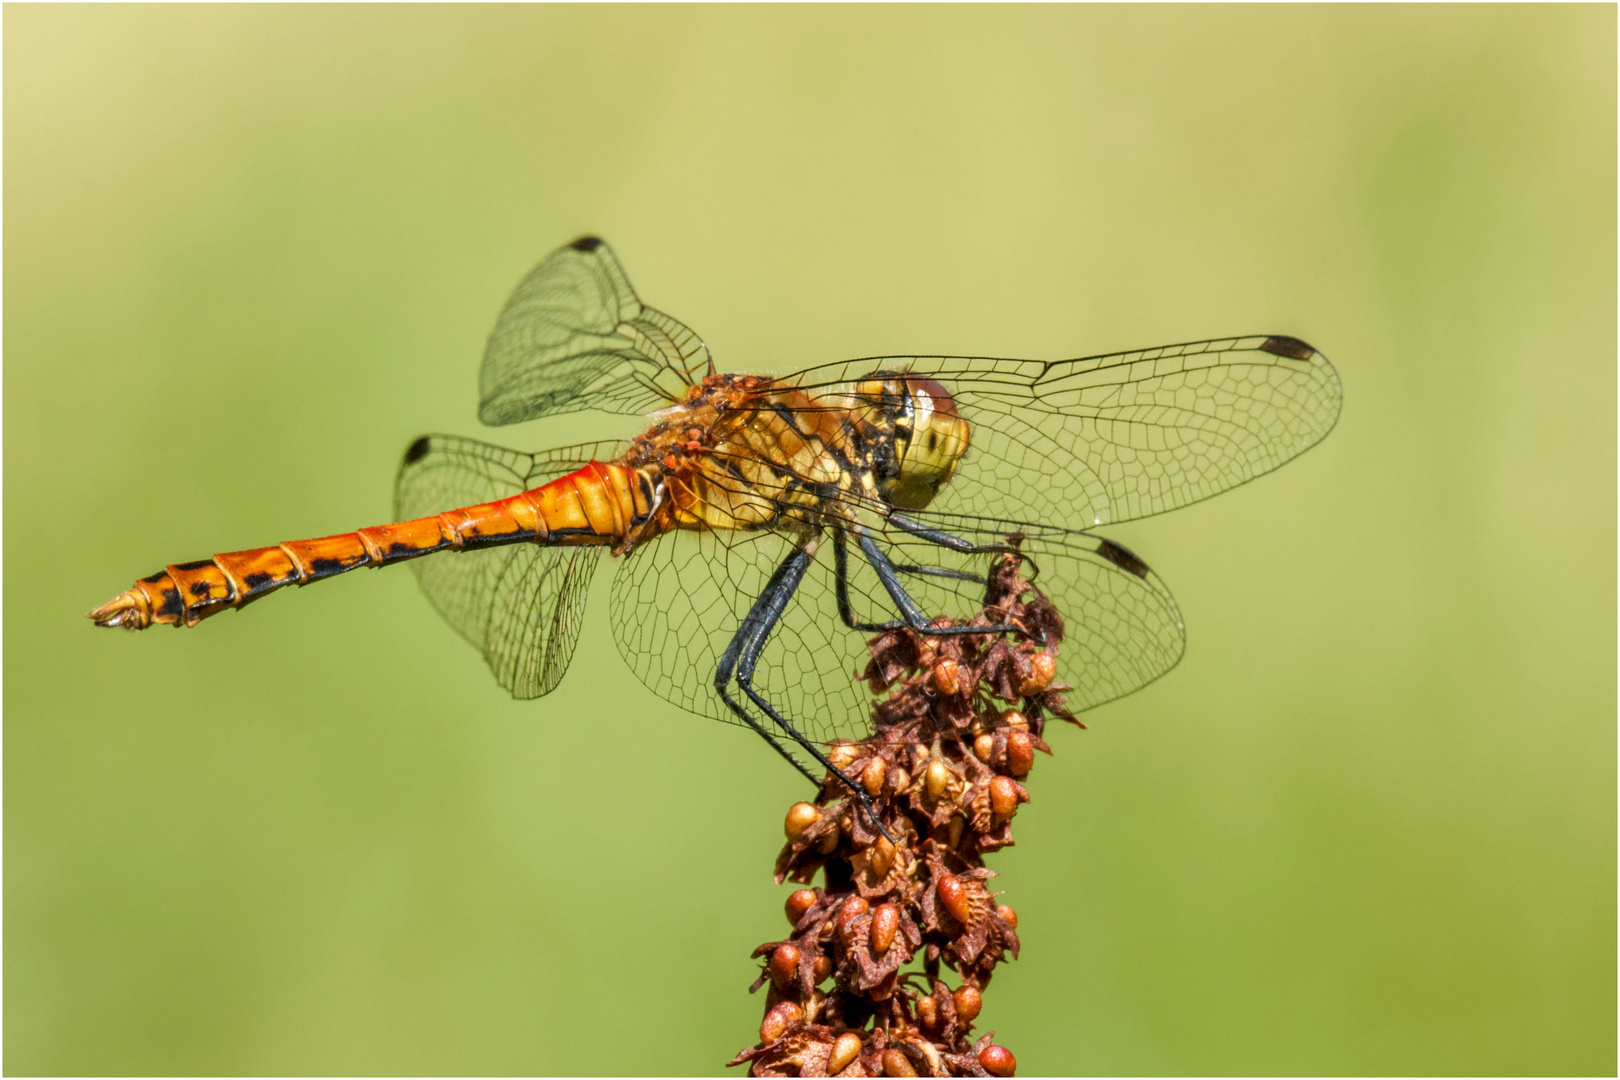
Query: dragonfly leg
(943, 538)
(909, 610)
(841, 585)
(742, 657)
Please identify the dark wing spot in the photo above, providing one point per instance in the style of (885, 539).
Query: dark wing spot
(1291, 347)
(587, 243)
(1122, 558)
(417, 450)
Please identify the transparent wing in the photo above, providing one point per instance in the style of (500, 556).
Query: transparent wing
(521, 604)
(574, 336)
(677, 602)
(1078, 443)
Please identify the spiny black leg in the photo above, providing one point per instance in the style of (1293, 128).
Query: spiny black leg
(908, 607)
(940, 572)
(841, 586)
(742, 656)
(943, 538)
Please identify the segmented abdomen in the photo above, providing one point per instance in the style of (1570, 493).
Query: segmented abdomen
(598, 504)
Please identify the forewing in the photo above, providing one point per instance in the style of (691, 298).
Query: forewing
(519, 604)
(678, 601)
(1078, 443)
(1122, 626)
(574, 336)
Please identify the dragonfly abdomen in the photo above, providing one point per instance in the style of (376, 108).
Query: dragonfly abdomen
(598, 504)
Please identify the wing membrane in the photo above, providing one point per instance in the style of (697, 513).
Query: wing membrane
(521, 604)
(1078, 443)
(677, 602)
(574, 336)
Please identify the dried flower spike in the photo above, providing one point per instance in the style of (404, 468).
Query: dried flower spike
(899, 904)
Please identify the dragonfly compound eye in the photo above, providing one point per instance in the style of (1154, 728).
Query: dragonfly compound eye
(931, 439)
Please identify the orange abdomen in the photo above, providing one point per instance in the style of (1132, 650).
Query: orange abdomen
(599, 504)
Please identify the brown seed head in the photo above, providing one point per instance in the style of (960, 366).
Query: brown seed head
(885, 921)
(844, 1051)
(843, 754)
(799, 902)
(927, 1013)
(800, 816)
(1042, 669)
(968, 1002)
(1014, 718)
(984, 747)
(1020, 752)
(828, 841)
(947, 677)
(896, 1063)
(784, 965)
(937, 776)
(822, 967)
(1003, 797)
(872, 778)
(998, 1061)
(954, 897)
(1008, 915)
(956, 825)
(776, 1022)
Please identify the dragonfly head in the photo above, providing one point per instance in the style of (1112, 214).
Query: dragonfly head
(930, 437)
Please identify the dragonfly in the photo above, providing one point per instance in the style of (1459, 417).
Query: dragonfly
(763, 527)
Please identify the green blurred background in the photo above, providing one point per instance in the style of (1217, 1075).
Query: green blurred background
(1368, 826)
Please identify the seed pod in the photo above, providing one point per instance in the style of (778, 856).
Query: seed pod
(799, 902)
(1020, 752)
(1008, 915)
(927, 1013)
(1003, 797)
(947, 675)
(800, 816)
(885, 921)
(843, 754)
(955, 834)
(984, 747)
(998, 1061)
(1042, 669)
(872, 778)
(844, 1051)
(822, 967)
(935, 779)
(968, 1002)
(880, 856)
(828, 841)
(776, 1022)
(897, 1064)
(954, 897)
(1014, 718)
(852, 908)
(784, 965)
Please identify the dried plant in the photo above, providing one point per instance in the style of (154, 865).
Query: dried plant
(944, 771)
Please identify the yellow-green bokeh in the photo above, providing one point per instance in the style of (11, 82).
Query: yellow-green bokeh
(1367, 826)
